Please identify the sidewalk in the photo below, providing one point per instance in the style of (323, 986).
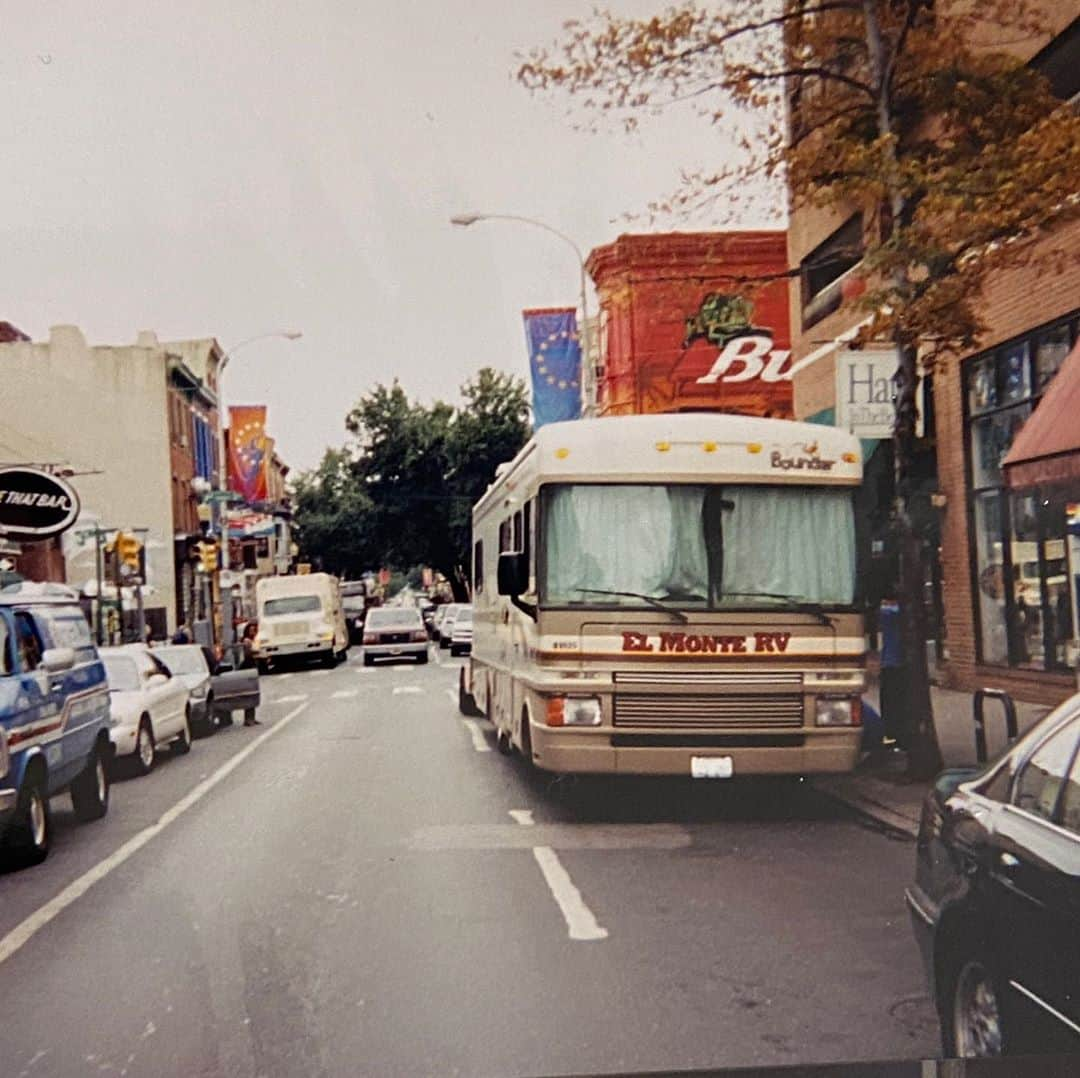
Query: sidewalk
(881, 790)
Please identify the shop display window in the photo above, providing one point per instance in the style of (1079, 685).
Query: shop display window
(1023, 613)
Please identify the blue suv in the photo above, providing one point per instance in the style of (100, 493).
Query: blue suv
(54, 717)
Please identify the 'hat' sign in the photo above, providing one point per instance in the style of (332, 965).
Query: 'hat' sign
(34, 504)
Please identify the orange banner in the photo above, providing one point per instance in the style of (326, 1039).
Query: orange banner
(249, 452)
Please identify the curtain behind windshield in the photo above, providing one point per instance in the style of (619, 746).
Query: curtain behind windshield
(647, 539)
(791, 542)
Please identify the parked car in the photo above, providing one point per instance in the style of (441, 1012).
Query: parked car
(394, 632)
(149, 706)
(446, 626)
(436, 621)
(54, 717)
(461, 632)
(216, 690)
(996, 900)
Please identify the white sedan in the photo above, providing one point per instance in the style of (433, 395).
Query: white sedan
(150, 708)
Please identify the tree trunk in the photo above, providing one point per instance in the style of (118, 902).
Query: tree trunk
(919, 733)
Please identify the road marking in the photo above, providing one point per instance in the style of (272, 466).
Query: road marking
(23, 932)
(344, 694)
(319, 673)
(406, 690)
(365, 670)
(284, 677)
(579, 918)
(295, 698)
(523, 817)
(446, 838)
(453, 695)
(478, 741)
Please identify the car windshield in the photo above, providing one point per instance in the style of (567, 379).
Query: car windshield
(689, 545)
(291, 604)
(182, 660)
(396, 619)
(121, 672)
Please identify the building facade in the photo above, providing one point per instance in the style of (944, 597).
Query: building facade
(996, 571)
(123, 420)
(680, 330)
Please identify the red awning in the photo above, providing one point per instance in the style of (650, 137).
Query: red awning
(1047, 449)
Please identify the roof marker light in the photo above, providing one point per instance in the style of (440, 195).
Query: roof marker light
(663, 447)
(753, 447)
(709, 447)
(562, 454)
(850, 458)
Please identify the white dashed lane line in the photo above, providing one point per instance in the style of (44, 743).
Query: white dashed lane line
(580, 922)
(453, 695)
(345, 694)
(478, 741)
(295, 698)
(407, 690)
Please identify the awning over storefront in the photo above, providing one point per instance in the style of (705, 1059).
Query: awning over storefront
(1047, 449)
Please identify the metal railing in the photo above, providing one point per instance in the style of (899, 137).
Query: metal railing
(981, 695)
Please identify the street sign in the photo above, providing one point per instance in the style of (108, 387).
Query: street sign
(34, 504)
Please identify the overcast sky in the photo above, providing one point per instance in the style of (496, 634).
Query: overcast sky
(208, 169)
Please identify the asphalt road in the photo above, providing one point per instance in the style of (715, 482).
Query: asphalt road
(364, 886)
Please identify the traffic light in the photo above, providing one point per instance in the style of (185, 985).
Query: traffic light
(208, 555)
(129, 547)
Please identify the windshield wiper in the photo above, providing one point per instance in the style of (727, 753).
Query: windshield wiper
(678, 615)
(804, 606)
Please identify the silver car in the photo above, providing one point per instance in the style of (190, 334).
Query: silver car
(395, 632)
(461, 631)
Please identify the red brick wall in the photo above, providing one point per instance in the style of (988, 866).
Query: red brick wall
(650, 285)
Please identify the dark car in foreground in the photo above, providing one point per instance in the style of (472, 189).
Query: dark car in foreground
(996, 899)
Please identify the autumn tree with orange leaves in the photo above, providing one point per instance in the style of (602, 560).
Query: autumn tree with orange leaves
(919, 114)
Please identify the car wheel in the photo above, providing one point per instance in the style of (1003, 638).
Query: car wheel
(466, 700)
(369, 660)
(181, 745)
(422, 658)
(208, 726)
(972, 1019)
(329, 660)
(262, 666)
(29, 832)
(145, 749)
(90, 788)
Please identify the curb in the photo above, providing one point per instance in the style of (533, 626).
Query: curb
(849, 791)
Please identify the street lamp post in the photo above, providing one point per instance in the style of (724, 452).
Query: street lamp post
(223, 479)
(463, 220)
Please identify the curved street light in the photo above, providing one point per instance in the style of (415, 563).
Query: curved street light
(464, 220)
(223, 474)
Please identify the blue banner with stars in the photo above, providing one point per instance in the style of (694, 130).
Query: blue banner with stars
(554, 363)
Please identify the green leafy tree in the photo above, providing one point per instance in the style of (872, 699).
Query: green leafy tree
(410, 474)
(917, 113)
(332, 517)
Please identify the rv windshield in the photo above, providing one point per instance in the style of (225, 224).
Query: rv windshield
(698, 546)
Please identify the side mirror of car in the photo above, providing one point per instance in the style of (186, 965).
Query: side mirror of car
(513, 573)
(57, 660)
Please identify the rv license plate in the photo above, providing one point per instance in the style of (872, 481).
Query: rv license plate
(711, 767)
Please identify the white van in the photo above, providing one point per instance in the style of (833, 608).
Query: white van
(300, 616)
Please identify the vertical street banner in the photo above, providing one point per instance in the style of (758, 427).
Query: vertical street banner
(555, 364)
(248, 452)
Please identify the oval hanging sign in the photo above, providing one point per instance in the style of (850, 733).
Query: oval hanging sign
(34, 504)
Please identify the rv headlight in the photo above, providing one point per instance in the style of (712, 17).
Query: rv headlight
(573, 711)
(838, 711)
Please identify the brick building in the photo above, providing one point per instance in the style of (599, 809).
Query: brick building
(675, 333)
(998, 578)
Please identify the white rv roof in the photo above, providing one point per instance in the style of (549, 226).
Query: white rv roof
(686, 447)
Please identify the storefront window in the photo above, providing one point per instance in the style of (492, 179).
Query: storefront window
(1050, 353)
(989, 565)
(991, 438)
(1022, 598)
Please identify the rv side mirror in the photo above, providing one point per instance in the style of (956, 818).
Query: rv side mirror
(513, 573)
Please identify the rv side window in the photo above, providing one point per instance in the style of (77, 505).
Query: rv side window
(478, 566)
(517, 531)
(505, 536)
(527, 540)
